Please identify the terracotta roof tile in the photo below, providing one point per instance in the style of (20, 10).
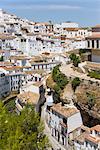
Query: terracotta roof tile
(29, 97)
(90, 138)
(6, 37)
(96, 128)
(66, 111)
(94, 36)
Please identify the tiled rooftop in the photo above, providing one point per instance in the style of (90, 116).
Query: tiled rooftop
(66, 111)
(96, 128)
(29, 97)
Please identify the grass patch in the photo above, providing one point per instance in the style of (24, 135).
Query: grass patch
(94, 74)
(10, 106)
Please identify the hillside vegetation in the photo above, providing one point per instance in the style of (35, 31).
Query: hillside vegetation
(21, 132)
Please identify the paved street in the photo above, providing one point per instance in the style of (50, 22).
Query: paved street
(69, 72)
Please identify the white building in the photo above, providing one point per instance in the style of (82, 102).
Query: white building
(64, 122)
(15, 82)
(4, 85)
(93, 43)
(7, 42)
(89, 140)
(70, 24)
(14, 78)
(58, 28)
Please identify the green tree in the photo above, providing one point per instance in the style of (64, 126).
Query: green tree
(75, 82)
(56, 94)
(75, 59)
(59, 78)
(61, 81)
(72, 56)
(21, 132)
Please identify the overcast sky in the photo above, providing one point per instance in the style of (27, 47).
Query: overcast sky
(85, 12)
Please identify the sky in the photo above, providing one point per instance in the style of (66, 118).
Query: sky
(84, 12)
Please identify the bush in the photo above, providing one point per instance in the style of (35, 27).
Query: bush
(57, 93)
(76, 82)
(60, 79)
(75, 59)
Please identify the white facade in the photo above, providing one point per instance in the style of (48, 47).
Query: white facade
(90, 140)
(15, 82)
(93, 43)
(64, 128)
(70, 25)
(79, 44)
(4, 85)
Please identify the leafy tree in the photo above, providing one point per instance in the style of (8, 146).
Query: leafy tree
(75, 59)
(56, 95)
(61, 81)
(21, 132)
(59, 78)
(72, 56)
(75, 82)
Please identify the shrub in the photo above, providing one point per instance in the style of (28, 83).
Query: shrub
(75, 59)
(60, 80)
(75, 82)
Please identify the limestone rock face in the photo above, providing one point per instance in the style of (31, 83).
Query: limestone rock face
(84, 93)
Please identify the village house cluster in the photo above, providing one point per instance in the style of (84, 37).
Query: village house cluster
(65, 123)
(28, 53)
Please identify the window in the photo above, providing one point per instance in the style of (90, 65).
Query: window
(88, 43)
(92, 43)
(65, 120)
(97, 43)
(86, 143)
(96, 132)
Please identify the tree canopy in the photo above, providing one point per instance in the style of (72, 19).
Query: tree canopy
(61, 81)
(21, 132)
(59, 78)
(75, 82)
(75, 59)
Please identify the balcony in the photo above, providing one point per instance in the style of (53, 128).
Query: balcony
(63, 128)
(63, 124)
